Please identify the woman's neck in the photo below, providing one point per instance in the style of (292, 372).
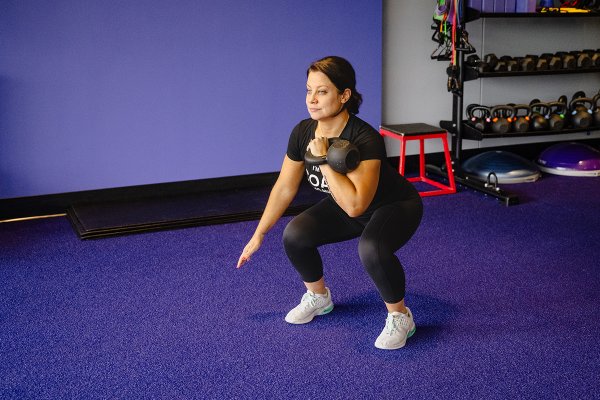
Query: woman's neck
(334, 126)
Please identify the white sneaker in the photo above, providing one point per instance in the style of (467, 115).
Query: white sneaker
(398, 328)
(311, 304)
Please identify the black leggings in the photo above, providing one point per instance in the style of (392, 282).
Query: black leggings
(381, 235)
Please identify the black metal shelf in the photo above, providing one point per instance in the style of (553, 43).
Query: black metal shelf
(474, 15)
(473, 74)
(461, 129)
(547, 14)
(469, 132)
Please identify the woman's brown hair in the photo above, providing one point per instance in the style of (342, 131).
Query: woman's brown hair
(342, 75)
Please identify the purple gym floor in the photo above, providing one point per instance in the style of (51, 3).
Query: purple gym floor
(505, 301)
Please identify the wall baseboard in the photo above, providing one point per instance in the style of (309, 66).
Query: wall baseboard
(25, 207)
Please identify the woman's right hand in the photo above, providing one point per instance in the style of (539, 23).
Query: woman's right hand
(252, 246)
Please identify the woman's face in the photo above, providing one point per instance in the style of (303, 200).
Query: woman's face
(323, 99)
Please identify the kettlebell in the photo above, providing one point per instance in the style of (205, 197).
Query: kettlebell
(539, 111)
(521, 118)
(342, 156)
(581, 115)
(556, 115)
(479, 116)
(502, 117)
(596, 109)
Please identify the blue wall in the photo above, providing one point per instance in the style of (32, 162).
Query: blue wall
(112, 93)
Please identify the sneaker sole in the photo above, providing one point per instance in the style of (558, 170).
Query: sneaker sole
(324, 311)
(401, 345)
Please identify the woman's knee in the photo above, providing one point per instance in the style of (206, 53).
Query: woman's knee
(374, 256)
(369, 253)
(295, 234)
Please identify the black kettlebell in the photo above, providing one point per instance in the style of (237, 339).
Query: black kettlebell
(557, 111)
(539, 111)
(342, 156)
(581, 112)
(596, 109)
(479, 116)
(522, 118)
(502, 117)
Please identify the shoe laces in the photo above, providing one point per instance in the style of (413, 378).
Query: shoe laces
(309, 300)
(395, 323)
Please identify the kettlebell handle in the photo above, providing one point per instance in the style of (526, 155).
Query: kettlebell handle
(583, 101)
(342, 156)
(578, 95)
(595, 100)
(519, 107)
(485, 111)
(557, 105)
(311, 159)
(496, 109)
(539, 107)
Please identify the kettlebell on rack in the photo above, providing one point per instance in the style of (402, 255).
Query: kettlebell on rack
(479, 116)
(596, 109)
(577, 95)
(581, 112)
(502, 117)
(539, 111)
(556, 115)
(563, 99)
(521, 118)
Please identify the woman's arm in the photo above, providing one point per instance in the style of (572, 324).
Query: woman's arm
(281, 196)
(355, 191)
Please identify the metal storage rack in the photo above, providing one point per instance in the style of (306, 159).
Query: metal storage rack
(460, 129)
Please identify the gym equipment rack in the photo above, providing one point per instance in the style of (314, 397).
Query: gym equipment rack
(460, 130)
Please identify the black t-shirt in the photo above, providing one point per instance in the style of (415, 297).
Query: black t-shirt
(392, 186)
